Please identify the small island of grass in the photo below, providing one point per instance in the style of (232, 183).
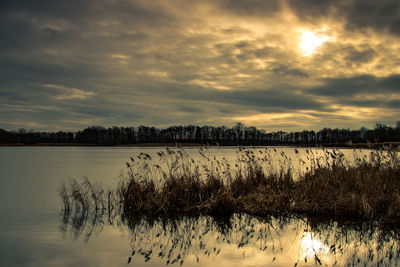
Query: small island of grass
(368, 189)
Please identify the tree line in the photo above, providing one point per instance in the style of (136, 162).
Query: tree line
(222, 135)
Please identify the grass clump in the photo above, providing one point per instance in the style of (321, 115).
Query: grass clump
(259, 182)
(369, 189)
(180, 189)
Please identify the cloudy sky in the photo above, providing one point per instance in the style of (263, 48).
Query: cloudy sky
(276, 64)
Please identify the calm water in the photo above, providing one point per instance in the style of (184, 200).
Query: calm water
(32, 231)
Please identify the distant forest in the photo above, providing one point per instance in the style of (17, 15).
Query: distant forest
(236, 135)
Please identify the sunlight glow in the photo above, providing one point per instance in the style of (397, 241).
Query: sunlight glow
(309, 41)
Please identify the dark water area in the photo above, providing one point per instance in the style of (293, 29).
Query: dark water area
(34, 230)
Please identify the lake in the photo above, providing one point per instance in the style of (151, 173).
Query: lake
(33, 231)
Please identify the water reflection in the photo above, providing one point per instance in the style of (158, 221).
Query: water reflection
(295, 241)
(312, 247)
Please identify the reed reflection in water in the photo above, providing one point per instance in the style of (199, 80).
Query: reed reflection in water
(241, 239)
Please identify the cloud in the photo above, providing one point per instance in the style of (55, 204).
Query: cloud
(266, 100)
(287, 71)
(348, 87)
(191, 109)
(379, 16)
(131, 62)
(360, 56)
(69, 93)
(252, 7)
(313, 9)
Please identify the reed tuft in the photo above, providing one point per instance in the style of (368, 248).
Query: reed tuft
(174, 184)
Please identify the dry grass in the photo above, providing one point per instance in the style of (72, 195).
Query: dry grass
(370, 189)
(175, 184)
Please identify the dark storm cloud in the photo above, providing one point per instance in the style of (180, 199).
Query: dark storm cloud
(109, 111)
(252, 7)
(359, 56)
(364, 84)
(284, 70)
(78, 11)
(64, 113)
(190, 109)
(30, 24)
(314, 9)
(260, 100)
(394, 103)
(382, 15)
(265, 100)
(32, 70)
(392, 83)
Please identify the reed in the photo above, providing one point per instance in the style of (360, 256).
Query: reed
(174, 184)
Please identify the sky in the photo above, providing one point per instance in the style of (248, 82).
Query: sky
(277, 64)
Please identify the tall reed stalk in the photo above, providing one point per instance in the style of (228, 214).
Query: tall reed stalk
(174, 184)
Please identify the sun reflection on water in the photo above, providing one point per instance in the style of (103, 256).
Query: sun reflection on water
(312, 248)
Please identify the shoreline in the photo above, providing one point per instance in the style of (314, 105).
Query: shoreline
(384, 145)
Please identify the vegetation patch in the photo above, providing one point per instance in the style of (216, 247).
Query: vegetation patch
(326, 184)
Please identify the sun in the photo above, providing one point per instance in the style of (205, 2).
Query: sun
(309, 41)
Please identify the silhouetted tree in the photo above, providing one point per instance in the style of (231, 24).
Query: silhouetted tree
(239, 134)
